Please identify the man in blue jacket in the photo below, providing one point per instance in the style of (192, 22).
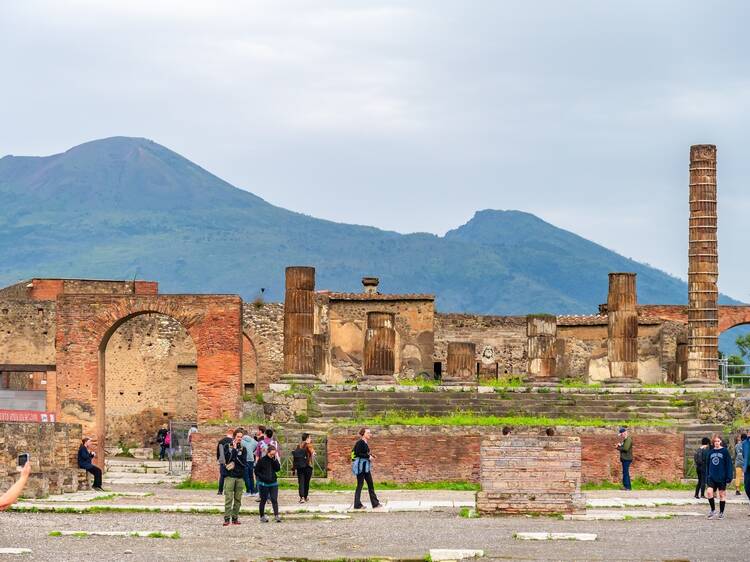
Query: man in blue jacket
(719, 473)
(746, 464)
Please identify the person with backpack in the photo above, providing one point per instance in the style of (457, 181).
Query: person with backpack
(700, 457)
(268, 485)
(235, 456)
(221, 460)
(250, 444)
(302, 465)
(161, 436)
(362, 468)
(719, 473)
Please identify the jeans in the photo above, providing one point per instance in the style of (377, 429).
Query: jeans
(626, 474)
(232, 497)
(266, 493)
(701, 485)
(363, 477)
(304, 475)
(97, 472)
(162, 452)
(222, 476)
(249, 477)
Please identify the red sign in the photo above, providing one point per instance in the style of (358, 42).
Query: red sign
(26, 416)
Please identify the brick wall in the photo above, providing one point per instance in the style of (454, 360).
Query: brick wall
(204, 467)
(263, 327)
(53, 448)
(451, 453)
(530, 474)
(27, 332)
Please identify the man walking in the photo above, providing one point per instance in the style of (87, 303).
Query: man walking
(222, 460)
(700, 457)
(626, 456)
(362, 468)
(746, 463)
(236, 460)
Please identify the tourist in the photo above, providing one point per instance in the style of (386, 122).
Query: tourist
(268, 441)
(221, 460)
(362, 469)
(161, 439)
(739, 462)
(746, 462)
(302, 465)
(268, 485)
(506, 430)
(192, 431)
(250, 444)
(260, 436)
(10, 497)
(719, 473)
(625, 446)
(85, 458)
(235, 456)
(700, 458)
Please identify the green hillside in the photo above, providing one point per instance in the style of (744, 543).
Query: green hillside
(125, 207)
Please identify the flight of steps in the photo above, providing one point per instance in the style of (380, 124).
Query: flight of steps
(122, 470)
(333, 405)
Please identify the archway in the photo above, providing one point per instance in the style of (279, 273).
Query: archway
(737, 354)
(149, 377)
(250, 382)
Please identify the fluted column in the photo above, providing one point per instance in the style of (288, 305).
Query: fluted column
(622, 329)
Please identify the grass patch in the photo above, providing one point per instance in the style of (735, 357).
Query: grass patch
(55, 534)
(468, 513)
(578, 383)
(473, 419)
(80, 534)
(160, 535)
(423, 384)
(334, 486)
(512, 381)
(638, 483)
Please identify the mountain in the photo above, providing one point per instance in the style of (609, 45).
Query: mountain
(124, 207)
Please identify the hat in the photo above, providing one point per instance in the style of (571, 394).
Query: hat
(622, 430)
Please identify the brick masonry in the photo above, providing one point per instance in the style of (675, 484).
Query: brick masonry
(428, 454)
(530, 474)
(204, 467)
(53, 448)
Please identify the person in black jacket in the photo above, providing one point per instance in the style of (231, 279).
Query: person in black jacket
(85, 458)
(235, 456)
(700, 457)
(268, 485)
(302, 465)
(161, 439)
(362, 468)
(221, 460)
(719, 473)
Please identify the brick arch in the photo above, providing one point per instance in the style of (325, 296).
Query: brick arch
(86, 322)
(729, 315)
(264, 361)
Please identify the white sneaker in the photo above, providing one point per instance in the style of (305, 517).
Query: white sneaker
(712, 514)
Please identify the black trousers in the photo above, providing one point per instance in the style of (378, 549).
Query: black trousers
(363, 477)
(701, 485)
(222, 475)
(97, 472)
(266, 493)
(304, 475)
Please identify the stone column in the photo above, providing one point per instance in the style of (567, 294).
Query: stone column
(541, 334)
(703, 269)
(622, 329)
(299, 316)
(461, 365)
(379, 363)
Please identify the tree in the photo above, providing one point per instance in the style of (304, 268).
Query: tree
(743, 343)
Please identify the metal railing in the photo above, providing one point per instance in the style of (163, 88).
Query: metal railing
(179, 453)
(734, 375)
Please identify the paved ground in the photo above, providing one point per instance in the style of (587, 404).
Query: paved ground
(397, 534)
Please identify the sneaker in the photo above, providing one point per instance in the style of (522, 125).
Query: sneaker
(737, 493)
(302, 500)
(236, 522)
(377, 505)
(696, 497)
(257, 498)
(247, 494)
(278, 519)
(721, 515)
(219, 493)
(712, 514)
(226, 524)
(358, 507)
(307, 500)
(264, 519)
(99, 489)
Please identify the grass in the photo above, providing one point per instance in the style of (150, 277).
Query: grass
(160, 535)
(578, 383)
(55, 534)
(334, 486)
(473, 419)
(513, 381)
(468, 513)
(639, 483)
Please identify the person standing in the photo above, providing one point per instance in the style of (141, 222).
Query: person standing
(719, 473)
(626, 456)
(746, 463)
(85, 461)
(700, 458)
(268, 485)
(250, 444)
(222, 460)
(161, 439)
(302, 465)
(739, 462)
(362, 469)
(236, 459)
(192, 431)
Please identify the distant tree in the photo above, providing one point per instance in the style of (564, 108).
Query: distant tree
(743, 343)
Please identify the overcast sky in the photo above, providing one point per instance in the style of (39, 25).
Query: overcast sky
(411, 116)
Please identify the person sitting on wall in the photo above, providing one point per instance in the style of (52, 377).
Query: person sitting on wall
(10, 497)
(85, 461)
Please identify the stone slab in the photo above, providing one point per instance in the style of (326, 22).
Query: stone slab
(15, 551)
(555, 536)
(114, 533)
(445, 554)
(597, 515)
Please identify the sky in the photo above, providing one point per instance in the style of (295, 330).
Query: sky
(411, 116)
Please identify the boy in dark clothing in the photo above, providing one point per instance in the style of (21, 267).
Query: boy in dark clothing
(161, 438)
(719, 473)
(221, 460)
(268, 485)
(700, 458)
(362, 467)
(235, 456)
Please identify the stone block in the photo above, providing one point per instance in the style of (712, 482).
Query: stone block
(145, 453)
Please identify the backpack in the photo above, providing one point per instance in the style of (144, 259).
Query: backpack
(168, 439)
(698, 458)
(299, 456)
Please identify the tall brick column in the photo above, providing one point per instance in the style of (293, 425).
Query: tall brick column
(299, 324)
(703, 269)
(622, 329)
(541, 334)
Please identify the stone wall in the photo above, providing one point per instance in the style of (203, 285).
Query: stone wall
(500, 341)
(263, 350)
(454, 453)
(523, 474)
(53, 448)
(414, 454)
(204, 467)
(27, 332)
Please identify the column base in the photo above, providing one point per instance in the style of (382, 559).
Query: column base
(537, 381)
(299, 378)
(695, 381)
(377, 380)
(622, 381)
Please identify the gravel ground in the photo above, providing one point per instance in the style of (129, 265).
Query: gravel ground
(404, 535)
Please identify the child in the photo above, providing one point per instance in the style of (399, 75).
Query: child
(719, 473)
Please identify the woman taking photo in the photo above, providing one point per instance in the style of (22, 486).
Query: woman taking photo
(302, 464)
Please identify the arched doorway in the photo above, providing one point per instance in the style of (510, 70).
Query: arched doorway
(249, 366)
(734, 353)
(149, 376)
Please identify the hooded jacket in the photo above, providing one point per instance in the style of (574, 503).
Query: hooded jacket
(719, 466)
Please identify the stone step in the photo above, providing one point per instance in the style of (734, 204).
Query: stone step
(144, 479)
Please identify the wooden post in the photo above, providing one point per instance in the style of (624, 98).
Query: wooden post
(703, 269)
(622, 329)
